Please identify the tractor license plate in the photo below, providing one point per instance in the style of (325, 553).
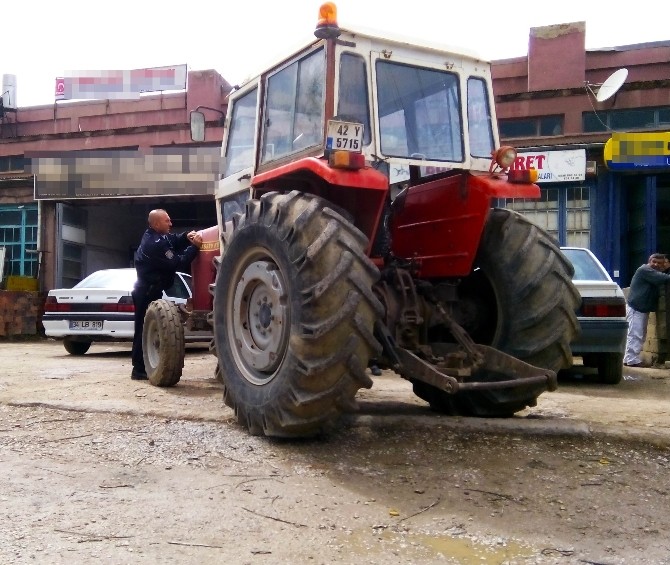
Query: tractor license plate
(85, 325)
(344, 136)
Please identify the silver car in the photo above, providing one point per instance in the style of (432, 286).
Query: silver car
(100, 308)
(602, 316)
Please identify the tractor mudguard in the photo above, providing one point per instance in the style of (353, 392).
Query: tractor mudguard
(439, 224)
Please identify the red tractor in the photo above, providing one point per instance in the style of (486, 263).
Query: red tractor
(357, 227)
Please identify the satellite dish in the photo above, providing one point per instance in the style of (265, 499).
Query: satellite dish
(612, 85)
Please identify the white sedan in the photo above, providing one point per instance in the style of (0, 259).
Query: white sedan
(601, 315)
(100, 308)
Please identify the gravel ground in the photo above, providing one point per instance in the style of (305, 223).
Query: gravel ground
(97, 467)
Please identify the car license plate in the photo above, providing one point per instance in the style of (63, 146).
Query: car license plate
(85, 325)
(344, 136)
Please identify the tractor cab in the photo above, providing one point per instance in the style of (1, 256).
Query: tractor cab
(353, 116)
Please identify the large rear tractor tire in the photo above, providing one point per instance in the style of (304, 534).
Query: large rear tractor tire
(519, 299)
(294, 315)
(163, 343)
(76, 346)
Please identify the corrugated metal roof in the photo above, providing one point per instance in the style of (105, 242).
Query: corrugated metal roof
(634, 47)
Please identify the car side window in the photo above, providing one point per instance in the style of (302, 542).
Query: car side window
(178, 289)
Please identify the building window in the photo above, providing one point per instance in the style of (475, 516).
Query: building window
(563, 212)
(18, 235)
(634, 118)
(543, 126)
(12, 163)
(578, 217)
(543, 212)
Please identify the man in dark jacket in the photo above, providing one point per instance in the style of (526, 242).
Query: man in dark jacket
(642, 299)
(158, 258)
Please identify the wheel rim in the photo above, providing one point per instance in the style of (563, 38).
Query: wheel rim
(259, 330)
(153, 343)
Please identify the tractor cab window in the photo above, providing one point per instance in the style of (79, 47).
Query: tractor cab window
(233, 204)
(294, 107)
(419, 113)
(352, 98)
(479, 119)
(240, 147)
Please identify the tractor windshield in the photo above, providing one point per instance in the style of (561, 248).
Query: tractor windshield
(419, 113)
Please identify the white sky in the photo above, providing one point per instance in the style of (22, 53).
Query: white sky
(42, 39)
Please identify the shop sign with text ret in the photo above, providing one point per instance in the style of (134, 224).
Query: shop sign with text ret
(554, 166)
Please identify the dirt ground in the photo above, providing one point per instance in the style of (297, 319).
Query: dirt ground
(96, 466)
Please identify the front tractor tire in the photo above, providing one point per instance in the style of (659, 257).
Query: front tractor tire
(519, 299)
(163, 343)
(294, 315)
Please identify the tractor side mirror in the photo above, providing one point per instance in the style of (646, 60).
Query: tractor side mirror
(197, 126)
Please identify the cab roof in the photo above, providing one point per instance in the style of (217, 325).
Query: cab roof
(375, 36)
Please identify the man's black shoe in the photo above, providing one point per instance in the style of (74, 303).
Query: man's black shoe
(138, 375)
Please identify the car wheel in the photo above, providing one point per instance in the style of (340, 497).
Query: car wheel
(76, 346)
(590, 360)
(610, 368)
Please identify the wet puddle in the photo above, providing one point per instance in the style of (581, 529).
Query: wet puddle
(446, 548)
(468, 552)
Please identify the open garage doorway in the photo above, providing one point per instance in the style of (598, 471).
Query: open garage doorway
(103, 234)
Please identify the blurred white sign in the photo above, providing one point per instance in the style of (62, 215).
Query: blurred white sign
(103, 85)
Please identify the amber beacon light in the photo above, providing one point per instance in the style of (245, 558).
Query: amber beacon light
(326, 26)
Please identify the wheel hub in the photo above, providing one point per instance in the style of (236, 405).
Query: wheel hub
(259, 314)
(265, 315)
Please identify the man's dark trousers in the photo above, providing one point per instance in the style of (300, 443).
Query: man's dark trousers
(142, 297)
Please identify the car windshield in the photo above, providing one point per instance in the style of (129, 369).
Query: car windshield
(110, 278)
(586, 268)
